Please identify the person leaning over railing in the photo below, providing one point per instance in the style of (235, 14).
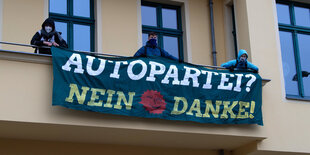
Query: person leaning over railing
(151, 49)
(48, 36)
(240, 63)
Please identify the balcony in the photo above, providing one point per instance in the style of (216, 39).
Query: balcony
(26, 112)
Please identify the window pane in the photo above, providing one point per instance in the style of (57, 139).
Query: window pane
(62, 27)
(283, 12)
(81, 8)
(169, 18)
(81, 37)
(58, 6)
(144, 38)
(171, 45)
(302, 16)
(304, 50)
(288, 62)
(149, 16)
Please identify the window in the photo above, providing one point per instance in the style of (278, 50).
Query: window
(294, 26)
(165, 20)
(75, 20)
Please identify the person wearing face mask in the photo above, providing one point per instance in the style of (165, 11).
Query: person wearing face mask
(151, 49)
(48, 36)
(240, 63)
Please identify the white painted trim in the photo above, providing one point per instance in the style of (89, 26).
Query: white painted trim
(278, 45)
(1, 20)
(98, 27)
(25, 57)
(139, 20)
(46, 6)
(187, 44)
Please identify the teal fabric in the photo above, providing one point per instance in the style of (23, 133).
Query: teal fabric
(126, 86)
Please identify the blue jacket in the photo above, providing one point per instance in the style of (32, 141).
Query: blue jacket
(153, 51)
(240, 65)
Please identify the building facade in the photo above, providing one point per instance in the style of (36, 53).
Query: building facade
(275, 34)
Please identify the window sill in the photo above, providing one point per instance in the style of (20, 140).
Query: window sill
(264, 81)
(25, 57)
(295, 97)
(44, 59)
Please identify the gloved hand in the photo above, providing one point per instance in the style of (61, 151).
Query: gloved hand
(231, 69)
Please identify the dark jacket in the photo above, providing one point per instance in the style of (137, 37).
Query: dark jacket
(53, 36)
(148, 50)
(239, 64)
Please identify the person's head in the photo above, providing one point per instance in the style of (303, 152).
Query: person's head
(48, 25)
(152, 35)
(242, 55)
(152, 39)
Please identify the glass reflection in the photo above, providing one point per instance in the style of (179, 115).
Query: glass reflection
(144, 38)
(169, 18)
(288, 63)
(58, 6)
(148, 16)
(283, 12)
(62, 27)
(81, 37)
(304, 51)
(171, 45)
(81, 8)
(302, 16)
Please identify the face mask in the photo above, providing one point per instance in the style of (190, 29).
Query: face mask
(153, 42)
(48, 29)
(242, 58)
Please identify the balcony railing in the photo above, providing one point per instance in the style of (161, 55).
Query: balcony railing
(264, 81)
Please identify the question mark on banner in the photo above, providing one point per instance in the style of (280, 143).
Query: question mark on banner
(250, 82)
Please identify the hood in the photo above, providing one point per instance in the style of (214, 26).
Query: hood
(49, 21)
(242, 52)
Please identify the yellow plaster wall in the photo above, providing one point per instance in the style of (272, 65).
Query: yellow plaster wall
(219, 28)
(242, 26)
(200, 32)
(21, 20)
(285, 121)
(119, 27)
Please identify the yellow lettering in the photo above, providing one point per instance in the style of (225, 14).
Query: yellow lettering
(228, 109)
(121, 97)
(95, 97)
(75, 91)
(109, 100)
(196, 107)
(209, 106)
(175, 110)
(242, 106)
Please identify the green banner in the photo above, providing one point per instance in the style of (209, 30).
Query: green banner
(155, 87)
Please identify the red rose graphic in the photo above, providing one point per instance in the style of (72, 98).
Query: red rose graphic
(153, 102)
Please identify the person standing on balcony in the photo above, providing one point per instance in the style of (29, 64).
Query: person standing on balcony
(240, 63)
(48, 36)
(151, 49)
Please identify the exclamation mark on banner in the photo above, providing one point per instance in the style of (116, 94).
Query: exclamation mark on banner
(252, 109)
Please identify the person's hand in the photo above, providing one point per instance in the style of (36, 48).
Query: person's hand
(55, 44)
(231, 69)
(47, 43)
